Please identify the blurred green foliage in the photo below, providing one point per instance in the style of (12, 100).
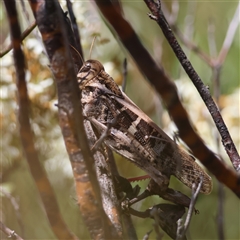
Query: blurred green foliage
(193, 20)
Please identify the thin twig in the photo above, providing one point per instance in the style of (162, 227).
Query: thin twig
(24, 35)
(211, 39)
(77, 35)
(182, 229)
(10, 233)
(172, 20)
(185, 40)
(36, 33)
(192, 204)
(16, 208)
(217, 66)
(192, 46)
(175, 11)
(25, 11)
(189, 20)
(229, 36)
(204, 92)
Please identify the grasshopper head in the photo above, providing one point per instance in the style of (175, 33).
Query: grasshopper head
(89, 70)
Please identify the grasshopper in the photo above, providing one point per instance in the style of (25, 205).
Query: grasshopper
(134, 135)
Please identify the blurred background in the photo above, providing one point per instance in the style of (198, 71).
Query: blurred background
(204, 23)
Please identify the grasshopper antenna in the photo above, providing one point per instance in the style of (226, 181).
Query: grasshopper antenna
(78, 54)
(90, 53)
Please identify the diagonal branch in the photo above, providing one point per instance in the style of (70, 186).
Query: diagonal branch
(182, 229)
(15, 205)
(57, 36)
(23, 36)
(204, 92)
(46, 192)
(229, 36)
(10, 233)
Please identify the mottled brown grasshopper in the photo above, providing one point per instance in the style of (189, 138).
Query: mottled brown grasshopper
(134, 135)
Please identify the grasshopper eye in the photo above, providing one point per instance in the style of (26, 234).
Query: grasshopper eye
(89, 70)
(86, 67)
